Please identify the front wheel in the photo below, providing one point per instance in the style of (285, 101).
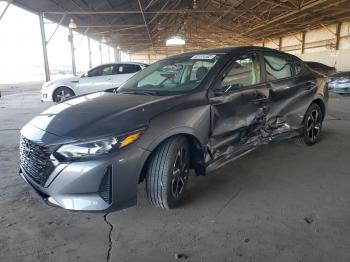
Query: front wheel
(312, 125)
(167, 173)
(62, 93)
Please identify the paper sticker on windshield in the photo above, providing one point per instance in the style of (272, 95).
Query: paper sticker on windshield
(204, 57)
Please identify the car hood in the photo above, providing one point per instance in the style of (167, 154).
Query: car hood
(102, 114)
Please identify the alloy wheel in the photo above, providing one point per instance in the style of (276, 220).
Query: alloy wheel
(180, 174)
(63, 95)
(313, 125)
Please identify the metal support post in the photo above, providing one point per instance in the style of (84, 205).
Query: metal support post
(100, 48)
(71, 40)
(44, 45)
(89, 49)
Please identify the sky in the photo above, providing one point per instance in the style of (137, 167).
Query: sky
(21, 56)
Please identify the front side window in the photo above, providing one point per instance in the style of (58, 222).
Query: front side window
(101, 71)
(277, 67)
(243, 72)
(172, 75)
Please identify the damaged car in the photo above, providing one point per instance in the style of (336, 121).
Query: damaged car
(193, 111)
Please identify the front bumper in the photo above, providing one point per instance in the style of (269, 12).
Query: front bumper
(77, 185)
(46, 93)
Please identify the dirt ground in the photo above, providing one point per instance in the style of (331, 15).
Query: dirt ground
(282, 202)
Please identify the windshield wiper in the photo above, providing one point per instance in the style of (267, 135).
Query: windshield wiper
(139, 92)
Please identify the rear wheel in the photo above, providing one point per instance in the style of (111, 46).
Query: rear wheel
(62, 93)
(312, 126)
(167, 173)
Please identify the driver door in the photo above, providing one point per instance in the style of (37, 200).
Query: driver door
(239, 104)
(97, 79)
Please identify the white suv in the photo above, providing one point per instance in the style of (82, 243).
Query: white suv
(99, 78)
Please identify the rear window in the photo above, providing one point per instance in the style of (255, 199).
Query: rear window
(128, 69)
(298, 66)
(277, 67)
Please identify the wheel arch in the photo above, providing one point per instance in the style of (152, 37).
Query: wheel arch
(197, 152)
(321, 104)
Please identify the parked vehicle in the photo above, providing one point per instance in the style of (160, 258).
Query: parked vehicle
(340, 83)
(196, 110)
(321, 68)
(96, 79)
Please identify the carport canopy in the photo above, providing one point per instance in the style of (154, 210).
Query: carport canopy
(135, 25)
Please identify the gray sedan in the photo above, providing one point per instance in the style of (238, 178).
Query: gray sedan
(196, 111)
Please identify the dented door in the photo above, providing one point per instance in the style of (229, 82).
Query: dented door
(291, 92)
(238, 109)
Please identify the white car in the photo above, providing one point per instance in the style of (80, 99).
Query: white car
(99, 78)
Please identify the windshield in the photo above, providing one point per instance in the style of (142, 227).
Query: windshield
(172, 75)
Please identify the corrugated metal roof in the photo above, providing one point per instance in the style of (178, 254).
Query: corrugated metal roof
(140, 24)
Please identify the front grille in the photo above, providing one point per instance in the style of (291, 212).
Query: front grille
(105, 189)
(35, 161)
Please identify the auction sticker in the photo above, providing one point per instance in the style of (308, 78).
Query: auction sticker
(205, 57)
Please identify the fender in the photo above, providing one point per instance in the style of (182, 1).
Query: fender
(193, 121)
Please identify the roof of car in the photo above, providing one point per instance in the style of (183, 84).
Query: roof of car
(340, 74)
(226, 50)
(123, 63)
(313, 63)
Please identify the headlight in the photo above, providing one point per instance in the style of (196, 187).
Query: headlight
(97, 147)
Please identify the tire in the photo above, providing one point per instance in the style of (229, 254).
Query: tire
(62, 93)
(167, 173)
(312, 126)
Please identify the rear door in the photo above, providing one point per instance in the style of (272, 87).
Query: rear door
(122, 72)
(291, 88)
(239, 105)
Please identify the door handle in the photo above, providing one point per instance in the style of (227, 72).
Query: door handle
(309, 85)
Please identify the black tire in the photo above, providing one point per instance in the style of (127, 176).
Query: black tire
(312, 126)
(167, 173)
(62, 93)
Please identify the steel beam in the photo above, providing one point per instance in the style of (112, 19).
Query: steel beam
(144, 19)
(72, 49)
(280, 43)
(100, 49)
(303, 42)
(5, 9)
(337, 36)
(44, 46)
(196, 11)
(116, 55)
(58, 25)
(89, 50)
